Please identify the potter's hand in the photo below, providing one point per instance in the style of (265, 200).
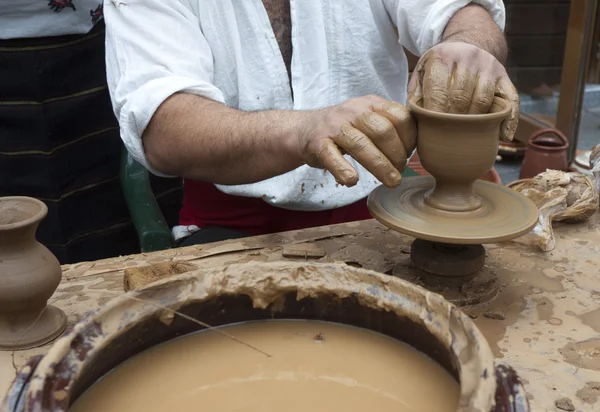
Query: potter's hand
(376, 132)
(458, 77)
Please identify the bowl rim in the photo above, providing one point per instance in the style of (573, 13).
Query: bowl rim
(444, 321)
(419, 110)
(37, 217)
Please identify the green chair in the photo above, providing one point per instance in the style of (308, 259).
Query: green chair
(151, 227)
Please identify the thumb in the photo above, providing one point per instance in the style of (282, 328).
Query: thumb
(507, 91)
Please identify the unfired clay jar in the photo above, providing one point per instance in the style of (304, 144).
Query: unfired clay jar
(29, 275)
(272, 290)
(547, 149)
(457, 150)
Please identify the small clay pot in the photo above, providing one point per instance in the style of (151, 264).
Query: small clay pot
(517, 183)
(547, 149)
(29, 275)
(275, 290)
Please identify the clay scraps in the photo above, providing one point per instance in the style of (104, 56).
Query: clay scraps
(595, 166)
(560, 197)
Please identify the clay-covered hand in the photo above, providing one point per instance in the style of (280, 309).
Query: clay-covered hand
(378, 133)
(457, 77)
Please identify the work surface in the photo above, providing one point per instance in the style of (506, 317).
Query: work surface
(545, 321)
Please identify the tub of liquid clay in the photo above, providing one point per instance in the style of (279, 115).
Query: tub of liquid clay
(269, 337)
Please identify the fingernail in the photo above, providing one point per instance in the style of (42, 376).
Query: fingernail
(394, 178)
(349, 178)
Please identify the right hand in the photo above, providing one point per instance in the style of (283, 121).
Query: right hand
(378, 133)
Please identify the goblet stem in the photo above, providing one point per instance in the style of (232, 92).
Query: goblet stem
(453, 196)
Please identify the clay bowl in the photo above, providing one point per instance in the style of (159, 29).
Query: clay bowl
(415, 164)
(515, 184)
(286, 290)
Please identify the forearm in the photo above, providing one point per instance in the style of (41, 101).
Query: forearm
(473, 24)
(200, 139)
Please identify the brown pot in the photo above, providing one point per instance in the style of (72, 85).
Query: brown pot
(285, 290)
(415, 164)
(29, 275)
(547, 149)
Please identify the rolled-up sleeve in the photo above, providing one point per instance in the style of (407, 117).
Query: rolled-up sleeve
(421, 23)
(154, 48)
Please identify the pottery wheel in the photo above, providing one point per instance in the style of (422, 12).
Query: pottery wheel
(447, 260)
(505, 213)
(462, 291)
(456, 272)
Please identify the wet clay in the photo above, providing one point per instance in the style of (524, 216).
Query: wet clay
(592, 319)
(559, 197)
(453, 206)
(590, 393)
(584, 354)
(29, 275)
(314, 366)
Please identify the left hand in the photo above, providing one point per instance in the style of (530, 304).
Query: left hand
(457, 77)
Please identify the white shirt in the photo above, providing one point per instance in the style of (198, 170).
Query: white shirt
(44, 18)
(225, 50)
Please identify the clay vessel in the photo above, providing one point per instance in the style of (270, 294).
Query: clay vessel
(282, 290)
(456, 150)
(415, 164)
(29, 275)
(547, 149)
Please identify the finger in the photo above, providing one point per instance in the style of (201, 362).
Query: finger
(483, 96)
(403, 122)
(361, 148)
(435, 84)
(508, 91)
(383, 134)
(460, 91)
(329, 157)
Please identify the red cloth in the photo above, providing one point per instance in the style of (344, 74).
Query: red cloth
(205, 205)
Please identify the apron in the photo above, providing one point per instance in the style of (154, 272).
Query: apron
(60, 143)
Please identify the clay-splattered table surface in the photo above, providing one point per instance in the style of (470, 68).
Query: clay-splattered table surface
(545, 321)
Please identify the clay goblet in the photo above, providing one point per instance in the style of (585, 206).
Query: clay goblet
(456, 149)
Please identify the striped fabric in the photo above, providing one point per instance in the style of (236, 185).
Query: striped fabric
(59, 142)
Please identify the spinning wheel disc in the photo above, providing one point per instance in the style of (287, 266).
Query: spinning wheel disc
(505, 214)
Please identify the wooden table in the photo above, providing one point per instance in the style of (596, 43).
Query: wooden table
(545, 323)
